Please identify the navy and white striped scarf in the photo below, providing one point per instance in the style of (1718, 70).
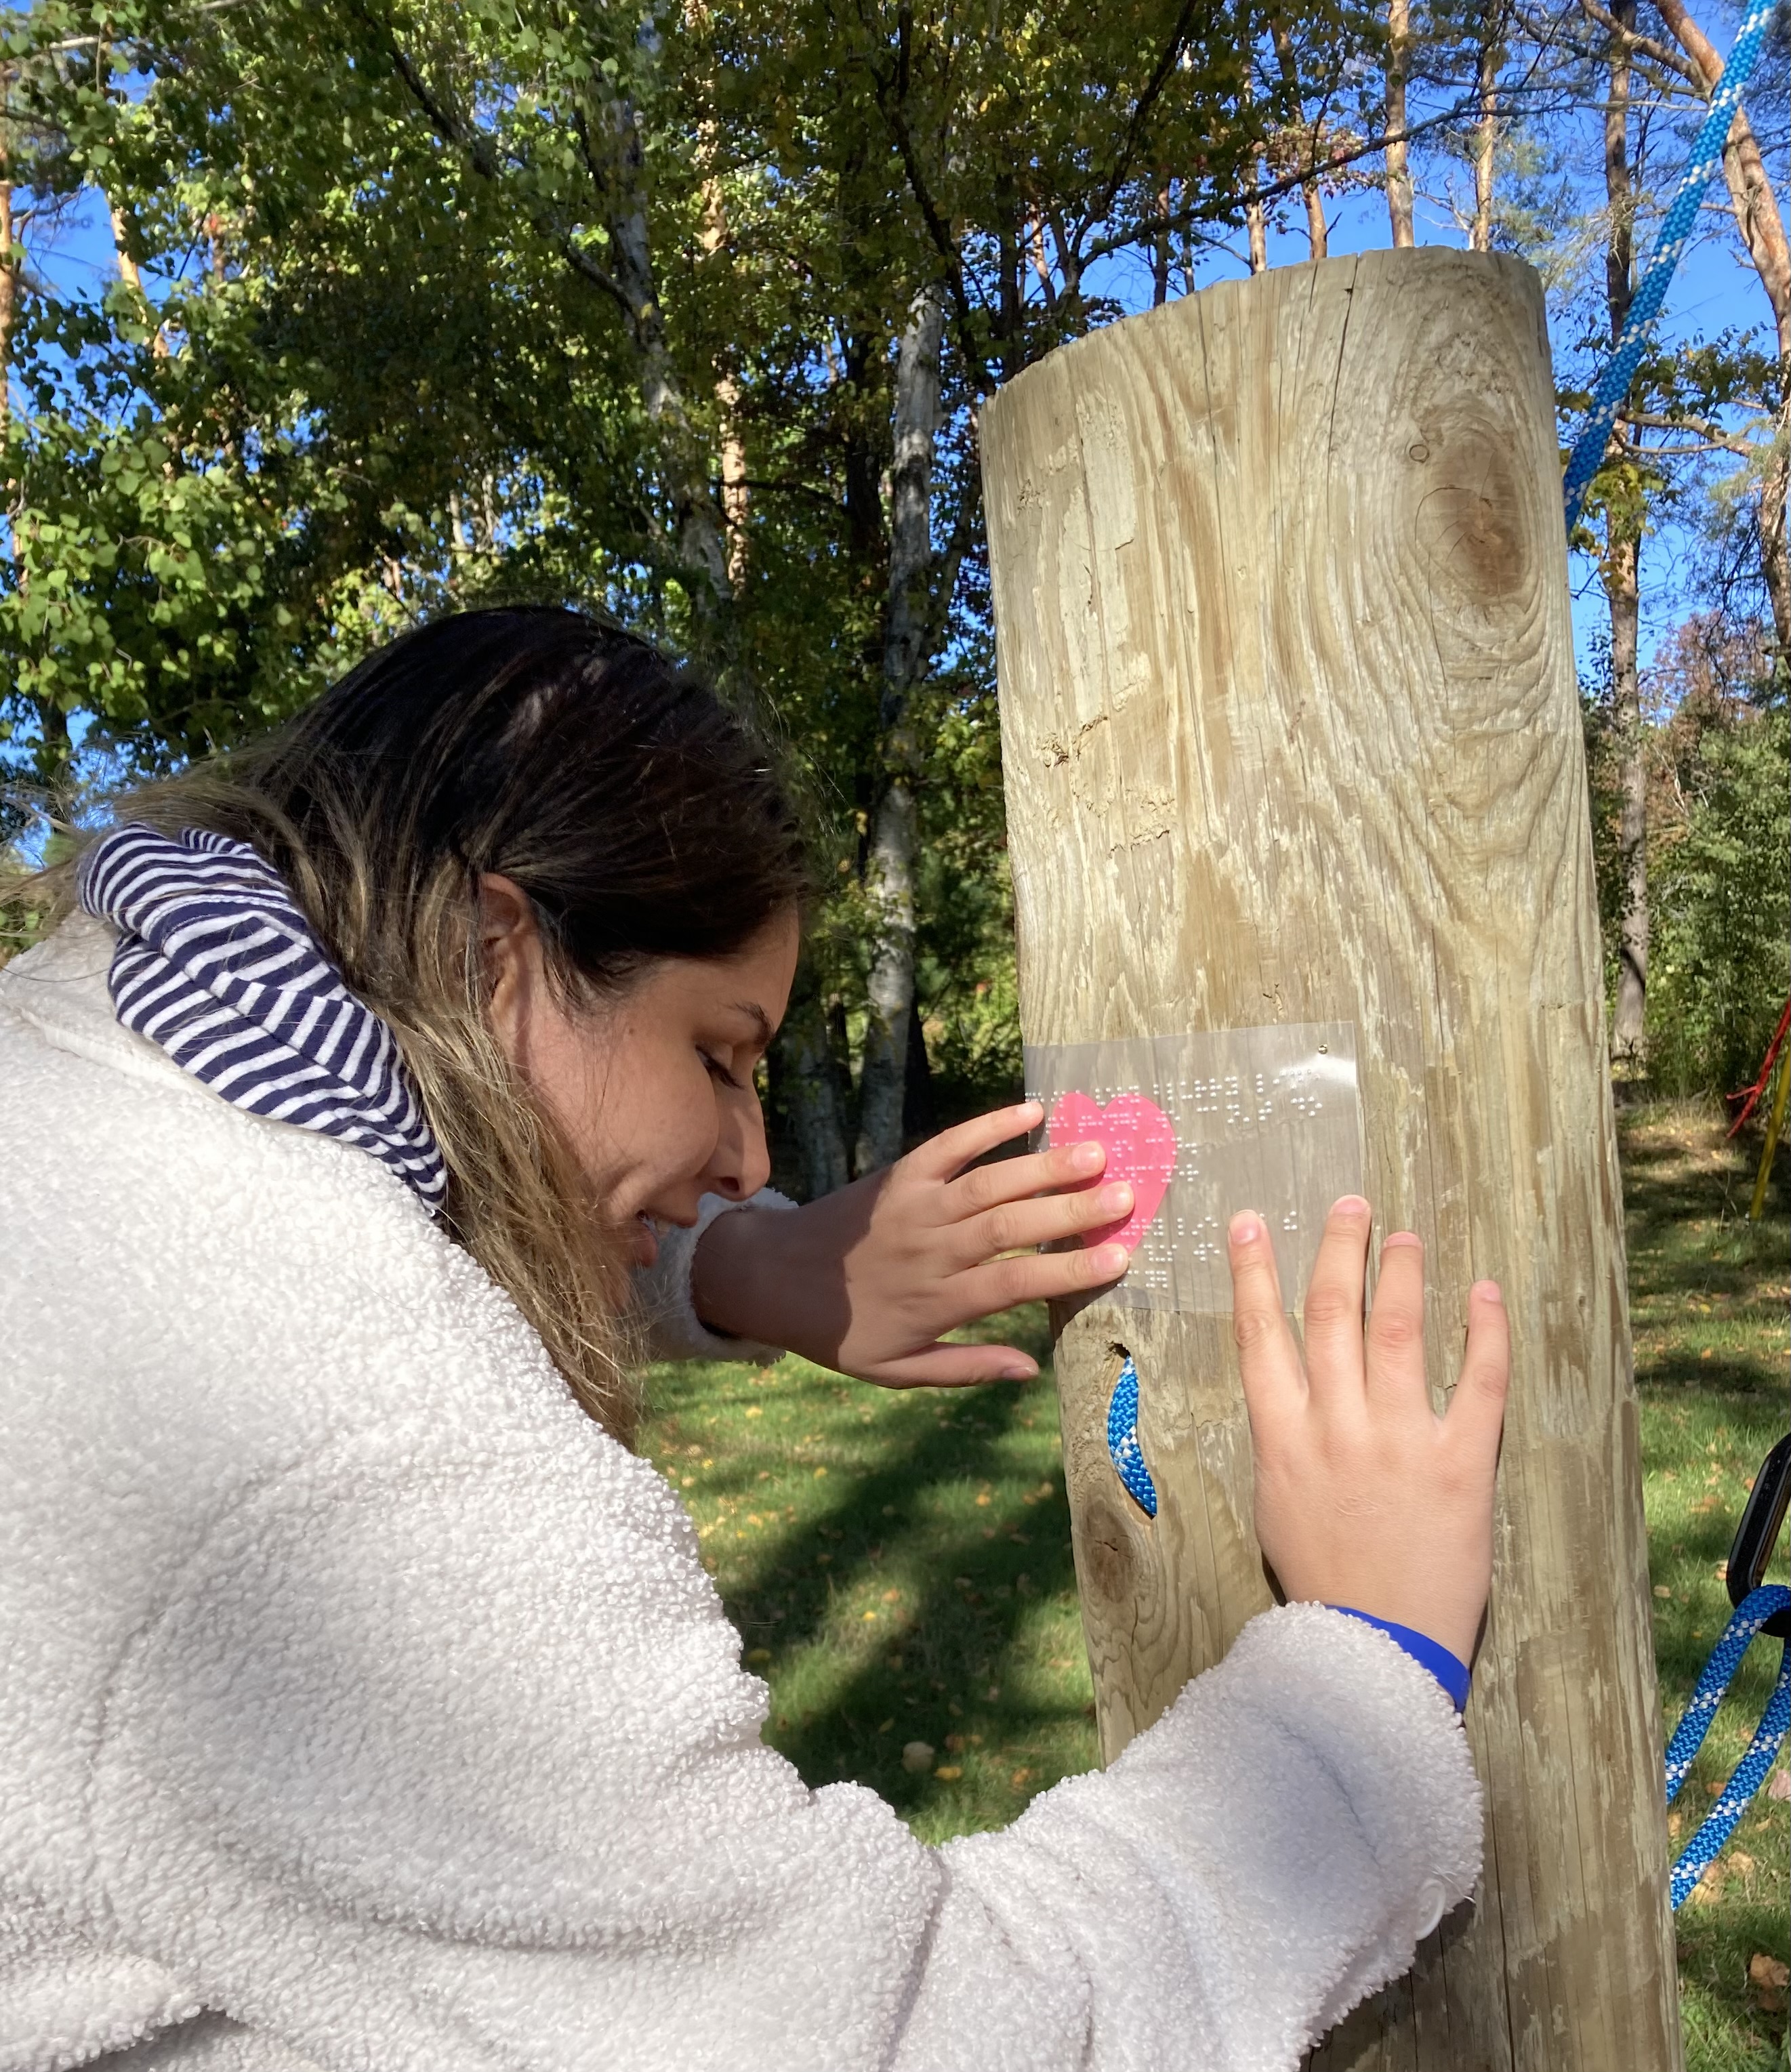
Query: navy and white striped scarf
(215, 964)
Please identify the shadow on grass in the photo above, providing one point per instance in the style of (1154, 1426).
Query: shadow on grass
(926, 1595)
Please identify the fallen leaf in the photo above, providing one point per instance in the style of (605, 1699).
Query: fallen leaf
(955, 1743)
(1768, 1979)
(950, 1772)
(1019, 1777)
(886, 1726)
(984, 1501)
(917, 1756)
(1660, 1590)
(893, 1597)
(758, 1654)
(819, 1472)
(1709, 1888)
(1740, 1863)
(1779, 1786)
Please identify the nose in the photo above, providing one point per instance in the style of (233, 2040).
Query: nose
(741, 1163)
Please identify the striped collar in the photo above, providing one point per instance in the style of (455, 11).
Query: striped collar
(216, 965)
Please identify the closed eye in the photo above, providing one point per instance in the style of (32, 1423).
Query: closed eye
(718, 1071)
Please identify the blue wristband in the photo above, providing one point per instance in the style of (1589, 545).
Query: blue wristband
(1450, 1671)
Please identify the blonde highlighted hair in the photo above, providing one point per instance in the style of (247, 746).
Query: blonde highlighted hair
(641, 818)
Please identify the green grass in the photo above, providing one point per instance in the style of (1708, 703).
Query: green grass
(1708, 1293)
(899, 1563)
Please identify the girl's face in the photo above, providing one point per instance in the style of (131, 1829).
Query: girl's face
(655, 1089)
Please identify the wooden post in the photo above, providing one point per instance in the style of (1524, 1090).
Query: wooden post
(1291, 735)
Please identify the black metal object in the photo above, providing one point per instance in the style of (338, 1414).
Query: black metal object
(1757, 1533)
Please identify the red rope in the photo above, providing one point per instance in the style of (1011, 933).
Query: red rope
(1752, 1095)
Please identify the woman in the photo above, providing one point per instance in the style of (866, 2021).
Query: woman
(366, 1703)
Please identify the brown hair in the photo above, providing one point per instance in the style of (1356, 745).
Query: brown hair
(642, 818)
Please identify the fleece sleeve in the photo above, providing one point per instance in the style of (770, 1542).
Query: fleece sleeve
(674, 1331)
(452, 1762)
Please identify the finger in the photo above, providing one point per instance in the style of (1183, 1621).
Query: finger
(1477, 1408)
(1395, 1359)
(1332, 1321)
(1044, 1222)
(1266, 1358)
(945, 1156)
(1069, 1165)
(1037, 1276)
(956, 1367)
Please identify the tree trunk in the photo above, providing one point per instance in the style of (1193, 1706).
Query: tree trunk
(1317, 232)
(1256, 221)
(1756, 210)
(1486, 138)
(908, 637)
(736, 500)
(1399, 179)
(1623, 545)
(1751, 192)
(1323, 764)
(701, 533)
(1622, 554)
(1160, 251)
(1775, 560)
(810, 1089)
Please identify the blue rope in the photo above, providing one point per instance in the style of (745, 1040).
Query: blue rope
(1707, 152)
(1127, 1454)
(1750, 1614)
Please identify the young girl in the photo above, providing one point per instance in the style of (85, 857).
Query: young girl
(366, 1706)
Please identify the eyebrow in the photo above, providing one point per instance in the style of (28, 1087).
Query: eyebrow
(755, 1012)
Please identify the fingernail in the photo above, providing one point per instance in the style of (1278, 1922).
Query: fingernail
(1401, 1237)
(1030, 1109)
(1111, 1261)
(1017, 1372)
(1089, 1157)
(1117, 1196)
(1490, 1290)
(1350, 1205)
(1246, 1227)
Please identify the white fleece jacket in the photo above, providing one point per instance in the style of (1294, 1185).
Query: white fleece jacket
(364, 1707)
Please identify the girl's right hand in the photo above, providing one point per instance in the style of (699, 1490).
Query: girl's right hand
(1365, 1497)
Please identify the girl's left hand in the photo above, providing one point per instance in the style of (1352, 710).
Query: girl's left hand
(867, 1279)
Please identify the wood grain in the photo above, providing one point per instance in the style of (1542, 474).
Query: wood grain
(1291, 734)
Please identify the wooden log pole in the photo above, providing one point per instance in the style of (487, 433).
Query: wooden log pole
(1291, 735)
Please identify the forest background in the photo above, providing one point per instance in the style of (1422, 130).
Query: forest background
(320, 316)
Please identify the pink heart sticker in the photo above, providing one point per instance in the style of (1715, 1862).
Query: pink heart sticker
(1141, 1148)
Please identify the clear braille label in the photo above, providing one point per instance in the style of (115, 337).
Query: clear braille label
(1205, 1125)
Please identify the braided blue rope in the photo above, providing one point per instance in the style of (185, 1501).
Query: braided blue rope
(1122, 1440)
(1750, 1614)
(1707, 152)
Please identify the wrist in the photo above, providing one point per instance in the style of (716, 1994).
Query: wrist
(729, 1276)
(1450, 1669)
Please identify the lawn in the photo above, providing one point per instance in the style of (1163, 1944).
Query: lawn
(899, 1563)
